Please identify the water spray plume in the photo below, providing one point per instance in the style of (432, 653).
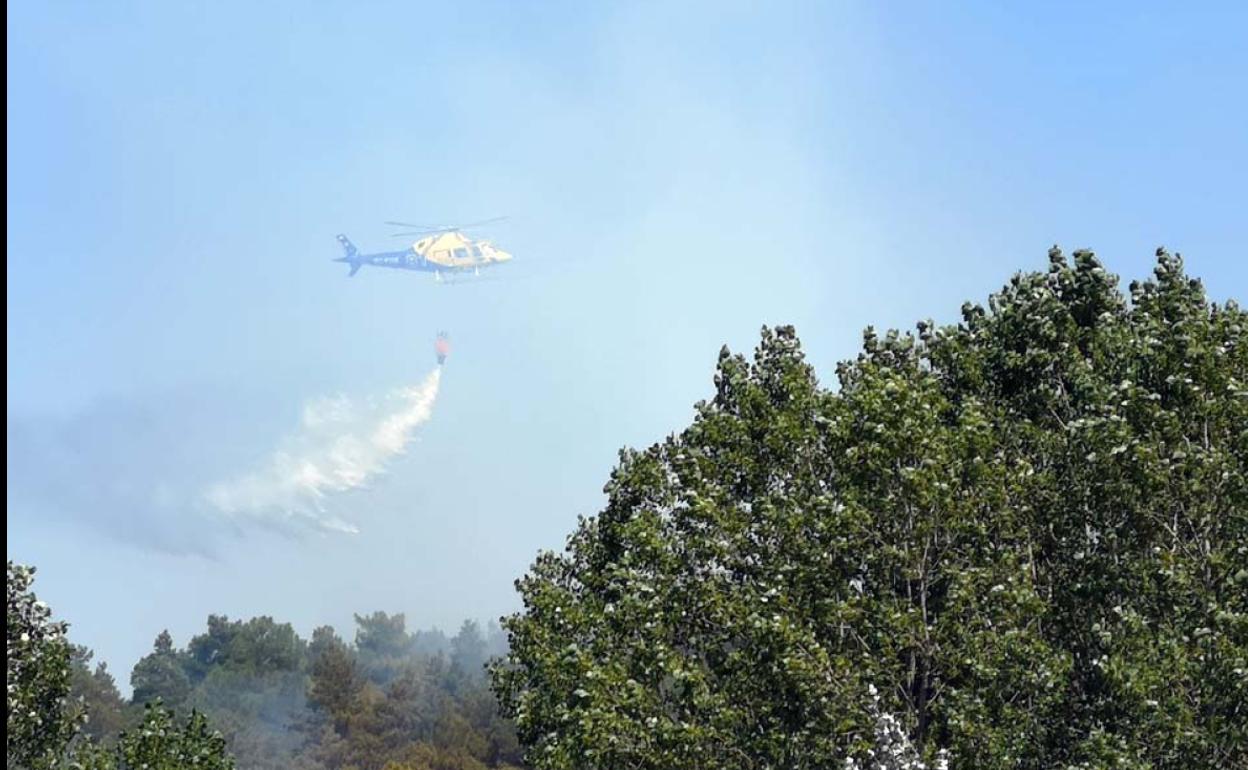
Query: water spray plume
(340, 446)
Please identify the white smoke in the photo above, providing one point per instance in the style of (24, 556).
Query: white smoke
(340, 445)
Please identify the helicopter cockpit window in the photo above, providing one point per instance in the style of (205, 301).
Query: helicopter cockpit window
(461, 253)
(476, 251)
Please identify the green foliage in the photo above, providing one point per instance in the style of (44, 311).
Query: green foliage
(336, 686)
(255, 646)
(408, 711)
(1028, 530)
(41, 719)
(325, 705)
(247, 676)
(107, 712)
(162, 674)
(160, 744)
(383, 644)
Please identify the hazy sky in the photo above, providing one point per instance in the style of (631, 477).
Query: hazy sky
(675, 178)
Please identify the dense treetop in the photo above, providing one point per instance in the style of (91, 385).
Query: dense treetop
(1028, 530)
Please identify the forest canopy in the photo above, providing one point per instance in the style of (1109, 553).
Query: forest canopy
(388, 699)
(255, 695)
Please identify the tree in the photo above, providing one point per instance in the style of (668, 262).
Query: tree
(97, 691)
(430, 643)
(335, 683)
(41, 720)
(468, 652)
(258, 646)
(161, 675)
(383, 645)
(1029, 530)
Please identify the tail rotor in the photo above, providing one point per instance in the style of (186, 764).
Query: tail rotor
(351, 255)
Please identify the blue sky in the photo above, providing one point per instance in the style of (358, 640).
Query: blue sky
(676, 176)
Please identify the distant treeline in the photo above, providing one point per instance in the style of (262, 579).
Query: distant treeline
(389, 699)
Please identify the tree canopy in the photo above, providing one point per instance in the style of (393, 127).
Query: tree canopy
(1028, 531)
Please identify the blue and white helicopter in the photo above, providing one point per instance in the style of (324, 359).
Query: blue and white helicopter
(441, 250)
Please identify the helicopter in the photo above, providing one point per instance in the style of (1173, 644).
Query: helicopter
(439, 249)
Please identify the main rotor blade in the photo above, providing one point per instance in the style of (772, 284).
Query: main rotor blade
(424, 232)
(417, 227)
(446, 228)
(438, 231)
